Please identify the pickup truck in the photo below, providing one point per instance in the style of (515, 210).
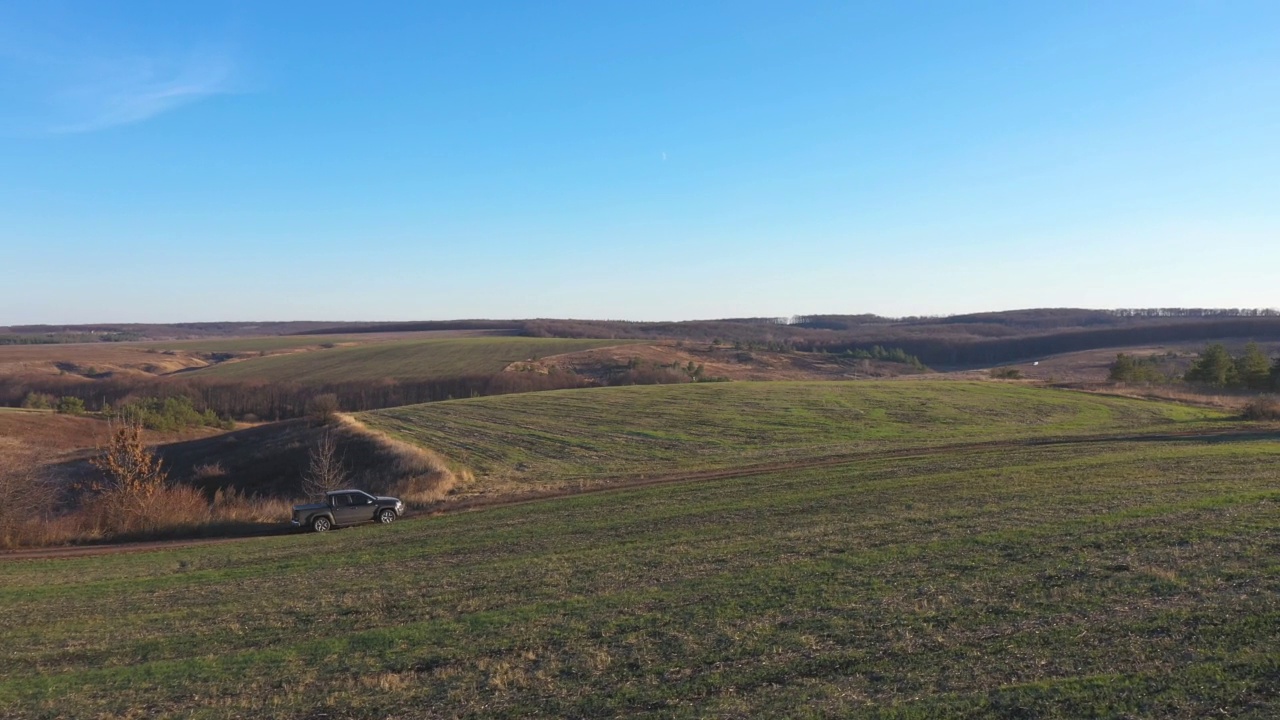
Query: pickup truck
(347, 507)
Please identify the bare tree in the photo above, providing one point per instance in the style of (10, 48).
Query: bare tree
(325, 471)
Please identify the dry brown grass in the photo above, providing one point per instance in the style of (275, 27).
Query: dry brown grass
(26, 497)
(81, 360)
(1263, 408)
(716, 361)
(417, 476)
(1186, 394)
(232, 507)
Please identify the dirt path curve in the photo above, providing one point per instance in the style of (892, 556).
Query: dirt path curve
(487, 503)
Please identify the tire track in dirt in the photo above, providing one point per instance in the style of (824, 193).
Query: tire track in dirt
(627, 483)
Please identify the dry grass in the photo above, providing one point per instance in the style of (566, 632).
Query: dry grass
(416, 475)
(26, 497)
(208, 471)
(1186, 394)
(601, 364)
(1263, 408)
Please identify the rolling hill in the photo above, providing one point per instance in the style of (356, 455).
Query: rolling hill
(550, 439)
(1122, 579)
(400, 360)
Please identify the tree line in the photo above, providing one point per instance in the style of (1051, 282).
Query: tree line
(1252, 369)
(247, 400)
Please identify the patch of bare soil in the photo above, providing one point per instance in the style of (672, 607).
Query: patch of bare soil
(717, 361)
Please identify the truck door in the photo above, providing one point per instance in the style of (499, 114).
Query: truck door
(344, 511)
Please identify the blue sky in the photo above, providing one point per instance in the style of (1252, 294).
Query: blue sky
(165, 161)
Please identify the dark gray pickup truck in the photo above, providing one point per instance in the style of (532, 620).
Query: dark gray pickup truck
(347, 507)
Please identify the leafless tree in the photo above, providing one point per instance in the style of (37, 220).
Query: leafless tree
(325, 470)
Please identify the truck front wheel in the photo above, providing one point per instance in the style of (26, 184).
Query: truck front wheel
(387, 516)
(321, 524)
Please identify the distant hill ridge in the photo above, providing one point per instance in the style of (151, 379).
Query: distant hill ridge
(973, 339)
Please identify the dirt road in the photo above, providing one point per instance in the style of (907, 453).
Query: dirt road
(487, 503)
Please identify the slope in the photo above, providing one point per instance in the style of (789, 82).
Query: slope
(544, 440)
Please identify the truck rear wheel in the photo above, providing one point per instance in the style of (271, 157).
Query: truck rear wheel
(321, 524)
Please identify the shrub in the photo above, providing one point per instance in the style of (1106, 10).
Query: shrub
(209, 471)
(68, 405)
(134, 494)
(1128, 368)
(1263, 408)
(38, 401)
(323, 408)
(1007, 373)
(168, 414)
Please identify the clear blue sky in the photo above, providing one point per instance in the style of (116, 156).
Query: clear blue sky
(168, 161)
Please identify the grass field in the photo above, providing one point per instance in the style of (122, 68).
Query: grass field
(274, 343)
(547, 439)
(398, 360)
(251, 344)
(1111, 579)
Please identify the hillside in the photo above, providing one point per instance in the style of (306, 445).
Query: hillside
(405, 360)
(972, 340)
(555, 439)
(1118, 579)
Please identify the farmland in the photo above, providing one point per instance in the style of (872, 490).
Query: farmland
(1109, 579)
(400, 360)
(542, 440)
(277, 343)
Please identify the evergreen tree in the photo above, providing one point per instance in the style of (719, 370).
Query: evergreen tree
(1215, 367)
(1122, 370)
(1253, 368)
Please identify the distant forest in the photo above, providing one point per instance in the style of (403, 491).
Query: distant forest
(957, 341)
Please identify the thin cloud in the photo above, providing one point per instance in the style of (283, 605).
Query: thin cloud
(123, 92)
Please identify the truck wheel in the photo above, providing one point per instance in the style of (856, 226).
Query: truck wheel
(321, 524)
(386, 517)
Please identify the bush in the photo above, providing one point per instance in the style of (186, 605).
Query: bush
(168, 415)
(38, 401)
(1128, 368)
(322, 409)
(208, 471)
(68, 405)
(134, 495)
(1006, 374)
(1263, 408)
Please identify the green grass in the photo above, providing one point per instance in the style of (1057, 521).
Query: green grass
(399, 360)
(1124, 580)
(548, 439)
(258, 344)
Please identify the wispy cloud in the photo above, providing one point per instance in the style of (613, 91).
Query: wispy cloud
(64, 72)
(126, 91)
